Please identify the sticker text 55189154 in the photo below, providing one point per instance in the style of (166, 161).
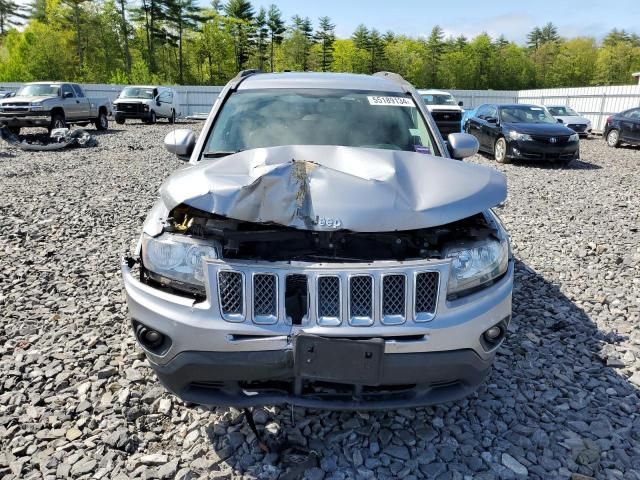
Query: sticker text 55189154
(391, 101)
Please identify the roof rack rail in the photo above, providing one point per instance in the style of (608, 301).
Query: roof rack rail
(394, 77)
(243, 75)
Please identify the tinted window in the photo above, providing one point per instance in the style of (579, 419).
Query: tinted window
(137, 92)
(78, 90)
(66, 89)
(267, 118)
(525, 114)
(438, 99)
(492, 112)
(482, 111)
(632, 114)
(166, 97)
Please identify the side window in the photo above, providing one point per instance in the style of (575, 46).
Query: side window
(633, 114)
(78, 90)
(482, 111)
(66, 90)
(166, 97)
(492, 112)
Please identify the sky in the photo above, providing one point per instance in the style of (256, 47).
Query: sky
(513, 18)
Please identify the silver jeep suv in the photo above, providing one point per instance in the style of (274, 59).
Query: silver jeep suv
(323, 249)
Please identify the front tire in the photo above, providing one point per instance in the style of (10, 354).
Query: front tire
(172, 118)
(14, 130)
(102, 122)
(500, 151)
(120, 120)
(152, 118)
(57, 121)
(613, 138)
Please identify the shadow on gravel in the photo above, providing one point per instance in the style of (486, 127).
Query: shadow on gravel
(551, 408)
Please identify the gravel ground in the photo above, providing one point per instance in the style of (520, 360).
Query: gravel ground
(78, 400)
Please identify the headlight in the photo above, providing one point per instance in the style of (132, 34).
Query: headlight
(513, 135)
(36, 106)
(475, 264)
(574, 137)
(177, 260)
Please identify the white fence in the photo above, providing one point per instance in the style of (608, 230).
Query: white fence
(596, 103)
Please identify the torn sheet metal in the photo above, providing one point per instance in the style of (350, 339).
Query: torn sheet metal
(332, 188)
(60, 138)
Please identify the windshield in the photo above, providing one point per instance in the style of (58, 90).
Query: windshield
(137, 92)
(439, 99)
(525, 114)
(268, 118)
(562, 112)
(39, 90)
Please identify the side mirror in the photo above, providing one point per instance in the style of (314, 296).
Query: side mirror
(67, 95)
(158, 103)
(462, 145)
(560, 120)
(461, 104)
(492, 120)
(180, 142)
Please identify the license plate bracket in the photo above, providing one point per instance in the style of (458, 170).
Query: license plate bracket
(340, 360)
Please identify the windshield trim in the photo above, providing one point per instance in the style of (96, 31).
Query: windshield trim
(222, 100)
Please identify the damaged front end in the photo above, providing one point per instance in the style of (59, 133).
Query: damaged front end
(323, 276)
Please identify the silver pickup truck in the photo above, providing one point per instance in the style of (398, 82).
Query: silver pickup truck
(53, 105)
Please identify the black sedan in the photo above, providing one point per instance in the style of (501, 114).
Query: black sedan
(623, 127)
(525, 132)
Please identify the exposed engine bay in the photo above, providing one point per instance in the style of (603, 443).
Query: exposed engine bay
(271, 242)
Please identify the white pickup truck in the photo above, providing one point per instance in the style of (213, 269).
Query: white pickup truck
(53, 105)
(444, 109)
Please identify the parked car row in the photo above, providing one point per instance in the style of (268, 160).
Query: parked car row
(58, 104)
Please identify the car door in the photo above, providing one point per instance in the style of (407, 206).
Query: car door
(490, 127)
(632, 125)
(84, 106)
(474, 124)
(70, 103)
(165, 103)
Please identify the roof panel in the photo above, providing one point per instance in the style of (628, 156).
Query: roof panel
(340, 81)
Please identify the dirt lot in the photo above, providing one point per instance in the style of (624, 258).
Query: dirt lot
(77, 399)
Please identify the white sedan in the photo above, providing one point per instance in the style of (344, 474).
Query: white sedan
(579, 124)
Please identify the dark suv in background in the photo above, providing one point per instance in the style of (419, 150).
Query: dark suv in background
(522, 132)
(623, 127)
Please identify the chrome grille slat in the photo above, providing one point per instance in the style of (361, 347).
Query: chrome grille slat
(265, 298)
(394, 302)
(426, 295)
(361, 300)
(231, 293)
(329, 300)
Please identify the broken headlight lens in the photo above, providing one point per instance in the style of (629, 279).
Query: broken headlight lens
(475, 265)
(178, 260)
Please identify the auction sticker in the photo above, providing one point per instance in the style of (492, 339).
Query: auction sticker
(391, 101)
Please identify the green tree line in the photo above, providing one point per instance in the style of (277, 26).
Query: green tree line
(178, 42)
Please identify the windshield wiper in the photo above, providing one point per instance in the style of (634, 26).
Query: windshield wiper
(219, 154)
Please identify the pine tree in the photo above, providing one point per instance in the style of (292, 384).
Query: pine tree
(262, 31)
(534, 38)
(326, 36)
(12, 15)
(182, 16)
(242, 12)
(150, 14)
(549, 34)
(276, 29)
(435, 48)
(304, 27)
(124, 32)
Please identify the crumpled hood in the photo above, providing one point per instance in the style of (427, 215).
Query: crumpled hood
(329, 188)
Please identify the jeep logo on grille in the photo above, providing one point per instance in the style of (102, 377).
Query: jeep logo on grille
(553, 140)
(328, 222)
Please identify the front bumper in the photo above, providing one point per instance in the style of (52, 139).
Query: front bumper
(131, 115)
(533, 150)
(216, 362)
(31, 119)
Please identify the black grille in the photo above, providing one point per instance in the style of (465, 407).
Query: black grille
(426, 292)
(447, 115)
(393, 295)
(577, 128)
(264, 295)
(559, 139)
(231, 292)
(129, 107)
(329, 297)
(360, 293)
